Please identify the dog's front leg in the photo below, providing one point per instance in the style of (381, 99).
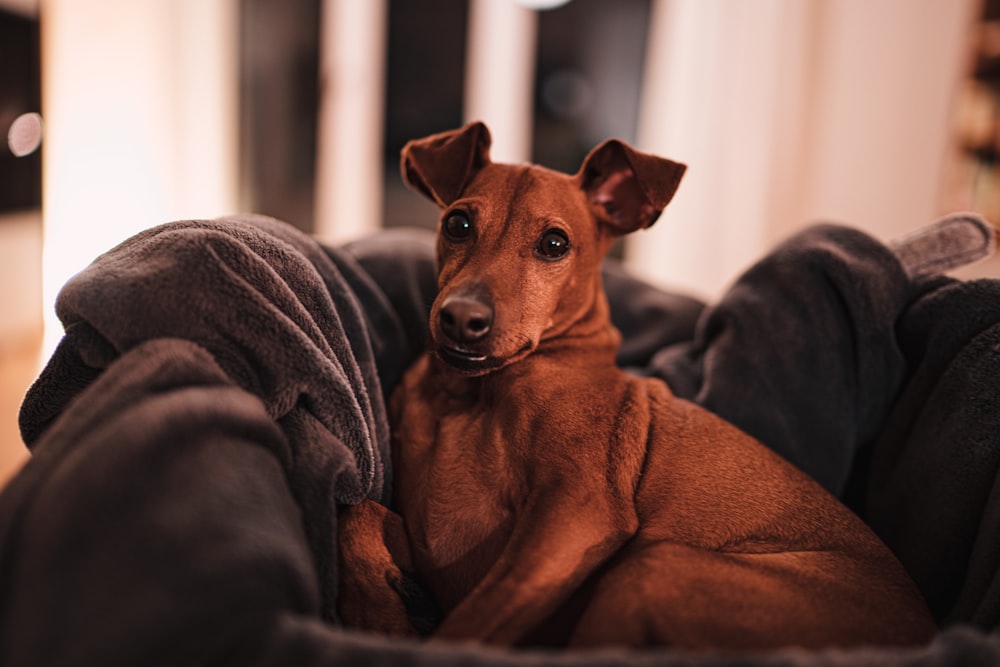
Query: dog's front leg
(558, 540)
(373, 558)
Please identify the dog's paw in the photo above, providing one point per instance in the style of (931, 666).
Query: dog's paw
(421, 608)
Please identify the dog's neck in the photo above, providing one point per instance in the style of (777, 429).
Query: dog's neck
(591, 334)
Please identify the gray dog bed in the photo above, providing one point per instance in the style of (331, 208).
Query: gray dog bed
(220, 388)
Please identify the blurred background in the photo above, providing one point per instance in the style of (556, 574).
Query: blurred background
(118, 115)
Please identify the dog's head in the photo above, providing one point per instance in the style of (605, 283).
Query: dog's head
(519, 247)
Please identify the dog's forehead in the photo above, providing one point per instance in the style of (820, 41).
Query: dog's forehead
(544, 189)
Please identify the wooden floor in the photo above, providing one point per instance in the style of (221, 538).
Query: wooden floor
(19, 365)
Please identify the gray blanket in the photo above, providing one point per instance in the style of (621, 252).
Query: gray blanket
(220, 389)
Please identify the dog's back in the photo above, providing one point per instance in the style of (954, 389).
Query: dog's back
(737, 548)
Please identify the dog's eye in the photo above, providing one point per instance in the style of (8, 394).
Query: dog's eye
(553, 245)
(457, 226)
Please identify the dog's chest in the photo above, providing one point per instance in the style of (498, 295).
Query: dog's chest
(468, 465)
(453, 482)
(464, 494)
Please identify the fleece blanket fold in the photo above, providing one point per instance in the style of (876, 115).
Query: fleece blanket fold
(220, 390)
(274, 310)
(281, 317)
(932, 487)
(800, 351)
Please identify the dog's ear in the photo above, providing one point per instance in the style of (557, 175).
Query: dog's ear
(441, 165)
(628, 189)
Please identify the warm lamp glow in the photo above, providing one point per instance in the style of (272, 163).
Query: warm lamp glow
(542, 4)
(349, 168)
(25, 134)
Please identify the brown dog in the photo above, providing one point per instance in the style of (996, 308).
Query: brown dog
(549, 497)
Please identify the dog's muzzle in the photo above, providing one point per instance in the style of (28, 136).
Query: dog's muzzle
(465, 321)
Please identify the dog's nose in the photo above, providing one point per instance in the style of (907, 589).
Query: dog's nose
(465, 319)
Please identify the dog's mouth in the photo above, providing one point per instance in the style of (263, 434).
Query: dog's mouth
(468, 361)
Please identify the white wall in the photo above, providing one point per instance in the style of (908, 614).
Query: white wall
(789, 111)
(139, 103)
